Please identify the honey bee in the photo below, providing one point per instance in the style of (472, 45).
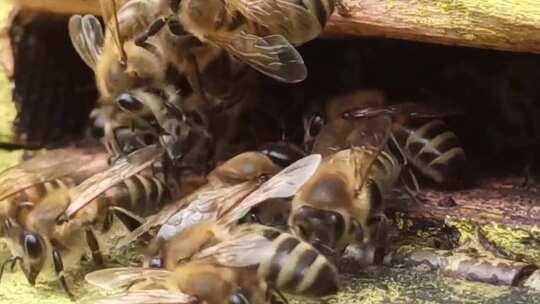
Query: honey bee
(252, 262)
(259, 34)
(423, 139)
(27, 182)
(53, 232)
(233, 189)
(343, 203)
(131, 76)
(419, 136)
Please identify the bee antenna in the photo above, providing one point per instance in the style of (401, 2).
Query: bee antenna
(123, 55)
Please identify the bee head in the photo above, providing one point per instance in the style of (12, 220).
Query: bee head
(34, 255)
(322, 228)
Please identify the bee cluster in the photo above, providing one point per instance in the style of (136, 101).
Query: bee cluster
(224, 219)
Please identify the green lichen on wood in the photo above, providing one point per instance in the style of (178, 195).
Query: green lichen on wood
(7, 107)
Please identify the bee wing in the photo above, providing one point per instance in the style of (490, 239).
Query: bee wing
(87, 37)
(124, 168)
(125, 277)
(284, 184)
(271, 55)
(150, 296)
(48, 166)
(204, 208)
(244, 250)
(199, 207)
(408, 109)
(286, 17)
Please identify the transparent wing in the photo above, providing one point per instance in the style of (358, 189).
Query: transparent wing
(135, 16)
(150, 296)
(285, 17)
(51, 165)
(87, 37)
(271, 55)
(241, 250)
(124, 277)
(124, 168)
(284, 184)
(198, 207)
(204, 208)
(409, 109)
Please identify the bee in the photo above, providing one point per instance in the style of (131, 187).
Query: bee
(343, 203)
(27, 182)
(131, 76)
(260, 34)
(54, 230)
(423, 139)
(419, 137)
(251, 262)
(233, 188)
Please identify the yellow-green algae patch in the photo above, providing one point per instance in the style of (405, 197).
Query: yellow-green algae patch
(7, 107)
(514, 244)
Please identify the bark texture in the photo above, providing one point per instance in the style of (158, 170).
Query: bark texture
(486, 269)
(497, 201)
(497, 24)
(62, 6)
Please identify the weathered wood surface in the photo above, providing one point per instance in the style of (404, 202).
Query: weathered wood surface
(496, 201)
(496, 24)
(62, 6)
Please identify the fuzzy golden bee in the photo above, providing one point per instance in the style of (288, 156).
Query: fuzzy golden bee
(419, 136)
(253, 262)
(55, 229)
(131, 76)
(24, 184)
(343, 203)
(259, 33)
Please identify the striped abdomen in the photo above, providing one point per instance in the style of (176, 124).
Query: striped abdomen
(9, 207)
(434, 150)
(297, 268)
(144, 195)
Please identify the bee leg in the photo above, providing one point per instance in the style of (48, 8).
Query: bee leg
(13, 262)
(380, 233)
(342, 9)
(272, 292)
(414, 192)
(59, 270)
(194, 77)
(94, 247)
(113, 146)
(129, 219)
(152, 30)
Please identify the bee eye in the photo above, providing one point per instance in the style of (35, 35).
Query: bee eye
(129, 103)
(97, 127)
(32, 245)
(315, 124)
(156, 262)
(238, 298)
